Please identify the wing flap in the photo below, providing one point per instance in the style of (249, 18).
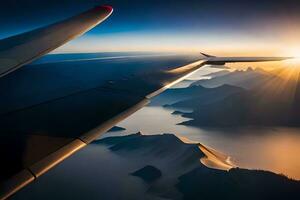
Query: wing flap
(15, 183)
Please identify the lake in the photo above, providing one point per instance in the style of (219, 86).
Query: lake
(275, 149)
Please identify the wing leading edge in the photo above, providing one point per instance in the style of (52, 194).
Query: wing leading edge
(24, 48)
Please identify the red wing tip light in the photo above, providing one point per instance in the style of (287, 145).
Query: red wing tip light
(105, 7)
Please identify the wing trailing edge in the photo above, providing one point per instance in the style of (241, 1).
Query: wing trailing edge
(215, 60)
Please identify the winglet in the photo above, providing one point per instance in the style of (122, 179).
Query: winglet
(206, 55)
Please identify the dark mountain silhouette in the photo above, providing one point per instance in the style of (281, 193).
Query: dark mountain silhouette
(166, 145)
(236, 184)
(148, 173)
(268, 105)
(178, 169)
(247, 79)
(270, 100)
(201, 96)
(241, 109)
(204, 95)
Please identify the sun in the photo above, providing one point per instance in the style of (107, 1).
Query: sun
(293, 63)
(293, 52)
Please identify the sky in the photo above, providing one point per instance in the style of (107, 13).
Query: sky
(213, 26)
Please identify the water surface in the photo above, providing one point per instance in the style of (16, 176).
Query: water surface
(275, 149)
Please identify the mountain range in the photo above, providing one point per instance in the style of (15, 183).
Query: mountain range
(252, 97)
(172, 169)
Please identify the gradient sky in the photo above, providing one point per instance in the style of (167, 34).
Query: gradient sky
(215, 26)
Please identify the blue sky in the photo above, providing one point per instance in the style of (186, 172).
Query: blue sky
(211, 25)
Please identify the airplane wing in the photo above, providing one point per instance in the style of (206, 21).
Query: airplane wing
(49, 111)
(22, 49)
(214, 60)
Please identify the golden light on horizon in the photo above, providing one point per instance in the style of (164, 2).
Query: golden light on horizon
(292, 61)
(282, 81)
(293, 52)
